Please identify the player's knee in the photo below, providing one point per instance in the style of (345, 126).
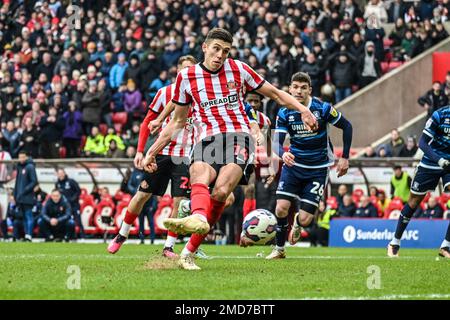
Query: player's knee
(306, 219)
(139, 199)
(282, 210)
(220, 194)
(414, 201)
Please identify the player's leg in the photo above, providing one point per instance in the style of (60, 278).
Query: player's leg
(287, 191)
(424, 180)
(310, 195)
(152, 183)
(227, 180)
(444, 250)
(201, 175)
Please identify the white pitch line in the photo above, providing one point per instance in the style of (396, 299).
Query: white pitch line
(386, 297)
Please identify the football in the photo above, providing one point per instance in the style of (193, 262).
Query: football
(259, 226)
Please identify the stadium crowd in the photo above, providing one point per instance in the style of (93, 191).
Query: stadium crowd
(67, 92)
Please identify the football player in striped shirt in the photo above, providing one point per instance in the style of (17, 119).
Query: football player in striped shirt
(215, 90)
(173, 166)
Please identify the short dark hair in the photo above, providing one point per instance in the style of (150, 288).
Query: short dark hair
(255, 93)
(220, 34)
(187, 58)
(24, 152)
(397, 167)
(301, 77)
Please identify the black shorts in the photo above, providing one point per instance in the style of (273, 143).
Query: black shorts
(225, 148)
(174, 169)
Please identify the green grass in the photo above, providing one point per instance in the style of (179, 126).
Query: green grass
(39, 271)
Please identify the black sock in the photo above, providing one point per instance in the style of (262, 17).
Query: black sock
(447, 235)
(405, 216)
(282, 225)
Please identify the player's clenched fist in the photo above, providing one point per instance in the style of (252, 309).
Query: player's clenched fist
(288, 159)
(150, 164)
(310, 120)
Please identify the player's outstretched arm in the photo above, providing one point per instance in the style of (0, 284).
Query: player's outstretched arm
(156, 124)
(176, 123)
(347, 135)
(285, 99)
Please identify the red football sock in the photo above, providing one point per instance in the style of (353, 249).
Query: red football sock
(200, 199)
(172, 234)
(196, 240)
(249, 206)
(130, 217)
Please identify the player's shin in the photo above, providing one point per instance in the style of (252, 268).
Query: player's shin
(282, 226)
(128, 221)
(405, 217)
(200, 200)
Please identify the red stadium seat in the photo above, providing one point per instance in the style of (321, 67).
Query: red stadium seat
(394, 65)
(332, 202)
(424, 202)
(387, 43)
(384, 67)
(120, 117)
(443, 199)
(395, 205)
(62, 152)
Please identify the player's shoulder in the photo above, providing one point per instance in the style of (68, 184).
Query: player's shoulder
(441, 113)
(317, 103)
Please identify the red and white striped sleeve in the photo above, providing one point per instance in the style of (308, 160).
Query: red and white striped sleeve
(252, 80)
(181, 95)
(157, 104)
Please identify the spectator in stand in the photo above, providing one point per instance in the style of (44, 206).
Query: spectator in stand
(366, 209)
(376, 9)
(113, 136)
(347, 208)
(395, 145)
(91, 107)
(260, 50)
(133, 71)
(446, 86)
(423, 43)
(29, 140)
(383, 201)
(117, 73)
(52, 128)
(114, 151)
(434, 99)
(396, 10)
(95, 144)
(158, 83)
(73, 130)
(70, 189)
(132, 102)
(342, 191)
(439, 33)
(369, 66)
(398, 33)
(12, 135)
(312, 68)
(369, 152)
(342, 66)
(56, 218)
(26, 181)
(410, 148)
(400, 184)
(433, 210)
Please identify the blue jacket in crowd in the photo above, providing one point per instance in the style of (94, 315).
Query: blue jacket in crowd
(116, 75)
(60, 210)
(70, 189)
(26, 180)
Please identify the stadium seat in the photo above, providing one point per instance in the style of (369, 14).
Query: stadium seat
(118, 196)
(83, 142)
(423, 204)
(394, 65)
(387, 43)
(62, 152)
(332, 203)
(120, 118)
(395, 205)
(443, 199)
(384, 67)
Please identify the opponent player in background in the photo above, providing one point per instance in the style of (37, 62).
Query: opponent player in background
(306, 165)
(215, 88)
(173, 166)
(435, 165)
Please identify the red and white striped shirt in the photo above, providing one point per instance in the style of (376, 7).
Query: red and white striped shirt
(217, 97)
(182, 142)
(263, 120)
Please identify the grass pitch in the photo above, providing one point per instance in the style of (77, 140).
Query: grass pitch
(47, 271)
